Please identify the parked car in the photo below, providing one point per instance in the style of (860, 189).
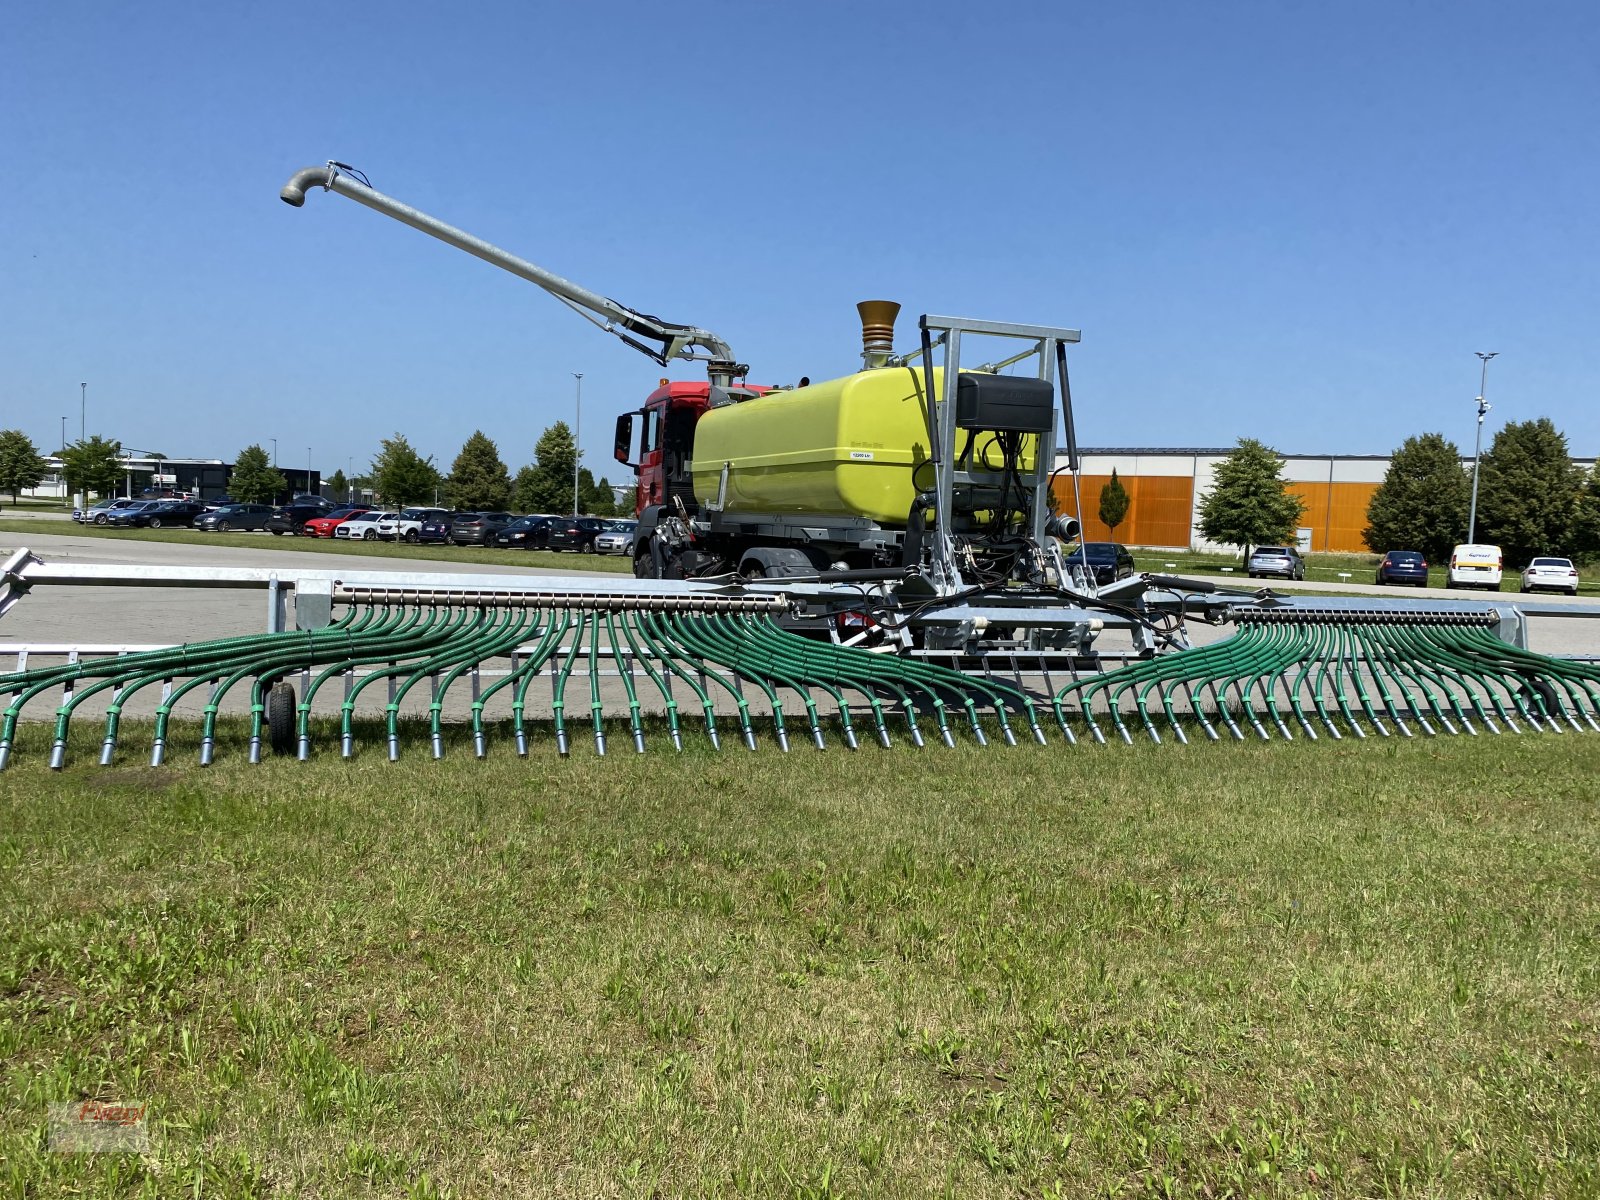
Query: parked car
(1403, 566)
(478, 528)
(1474, 565)
(576, 533)
(1283, 562)
(154, 514)
(100, 512)
(363, 526)
(436, 530)
(235, 516)
(292, 518)
(314, 500)
(526, 533)
(217, 502)
(1557, 574)
(1108, 561)
(406, 525)
(615, 538)
(324, 525)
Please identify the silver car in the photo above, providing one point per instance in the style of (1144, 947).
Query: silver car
(615, 538)
(1283, 562)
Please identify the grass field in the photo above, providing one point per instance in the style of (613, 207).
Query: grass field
(1248, 969)
(346, 548)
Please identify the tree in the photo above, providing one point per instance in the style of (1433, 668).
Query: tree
(1528, 490)
(1586, 521)
(1423, 500)
(478, 480)
(254, 480)
(338, 485)
(20, 463)
(1113, 503)
(93, 466)
(546, 485)
(401, 476)
(1248, 503)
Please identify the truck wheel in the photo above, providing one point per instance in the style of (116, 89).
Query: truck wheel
(644, 566)
(280, 718)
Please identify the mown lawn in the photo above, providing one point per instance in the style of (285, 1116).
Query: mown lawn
(375, 549)
(1258, 969)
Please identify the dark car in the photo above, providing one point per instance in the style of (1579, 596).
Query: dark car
(1283, 562)
(1109, 561)
(576, 533)
(436, 529)
(478, 528)
(235, 516)
(1403, 566)
(156, 514)
(292, 518)
(526, 533)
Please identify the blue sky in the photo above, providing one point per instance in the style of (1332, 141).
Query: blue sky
(1288, 221)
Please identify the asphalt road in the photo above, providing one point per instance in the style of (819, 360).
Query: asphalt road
(126, 615)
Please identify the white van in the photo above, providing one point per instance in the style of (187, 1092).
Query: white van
(1475, 566)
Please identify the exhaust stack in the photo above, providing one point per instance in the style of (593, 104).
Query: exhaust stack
(877, 332)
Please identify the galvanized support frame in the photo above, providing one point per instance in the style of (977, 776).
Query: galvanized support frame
(947, 574)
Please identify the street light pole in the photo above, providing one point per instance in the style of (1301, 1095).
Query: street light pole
(308, 473)
(83, 411)
(1477, 450)
(577, 432)
(63, 433)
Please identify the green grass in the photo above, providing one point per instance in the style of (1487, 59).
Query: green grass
(374, 549)
(1245, 969)
(34, 505)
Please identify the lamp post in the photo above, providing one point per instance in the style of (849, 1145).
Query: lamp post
(577, 432)
(83, 411)
(308, 473)
(274, 442)
(63, 433)
(1477, 450)
(349, 477)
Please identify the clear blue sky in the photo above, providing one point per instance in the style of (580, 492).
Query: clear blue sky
(1295, 222)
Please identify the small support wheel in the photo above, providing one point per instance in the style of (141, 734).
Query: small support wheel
(280, 717)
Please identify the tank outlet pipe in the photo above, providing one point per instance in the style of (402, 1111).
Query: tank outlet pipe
(675, 339)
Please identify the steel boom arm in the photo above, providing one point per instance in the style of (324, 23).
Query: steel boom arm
(675, 340)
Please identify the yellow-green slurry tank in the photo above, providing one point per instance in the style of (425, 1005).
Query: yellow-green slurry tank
(845, 447)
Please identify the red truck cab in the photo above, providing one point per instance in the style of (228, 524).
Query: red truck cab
(657, 441)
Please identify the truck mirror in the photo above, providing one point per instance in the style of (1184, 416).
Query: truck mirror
(622, 447)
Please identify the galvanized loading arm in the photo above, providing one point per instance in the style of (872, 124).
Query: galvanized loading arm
(675, 341)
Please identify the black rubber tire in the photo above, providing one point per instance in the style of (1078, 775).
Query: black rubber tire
(155, 522)
(411, 536)
(102, 519)
(370, 535)
(277, 533)
(280, 718)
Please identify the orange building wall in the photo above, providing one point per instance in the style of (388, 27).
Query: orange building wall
(1336, 513)
(1159, 507)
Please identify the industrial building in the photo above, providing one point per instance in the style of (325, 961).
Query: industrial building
(1165, 488)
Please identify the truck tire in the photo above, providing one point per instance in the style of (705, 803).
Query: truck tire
(280, 718)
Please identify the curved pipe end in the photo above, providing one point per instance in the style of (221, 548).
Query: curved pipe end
(294, 192)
